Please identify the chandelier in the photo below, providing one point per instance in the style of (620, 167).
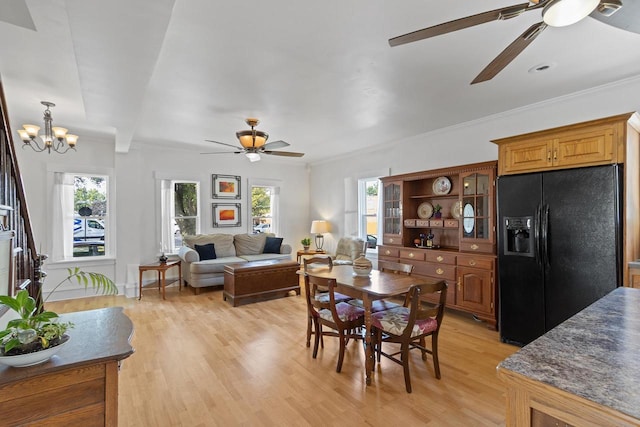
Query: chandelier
(54, 138)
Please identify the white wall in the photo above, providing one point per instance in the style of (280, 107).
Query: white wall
(457, 145)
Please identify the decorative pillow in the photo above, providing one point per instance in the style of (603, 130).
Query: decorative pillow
(272, 245)
(249, 244)
(223, 242)
(206, 252)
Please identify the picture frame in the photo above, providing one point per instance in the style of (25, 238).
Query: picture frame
(226, 214)
(225, 187)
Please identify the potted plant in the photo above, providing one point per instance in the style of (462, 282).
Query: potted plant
(306, 242)
(437, 214)
(37, 330)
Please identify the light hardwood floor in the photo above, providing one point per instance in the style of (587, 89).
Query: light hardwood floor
(200, 362)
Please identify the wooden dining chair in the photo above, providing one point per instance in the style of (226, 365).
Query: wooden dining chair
(319, 296)
(395, 267)
(409, 326)
(385, 304)
(342, 318)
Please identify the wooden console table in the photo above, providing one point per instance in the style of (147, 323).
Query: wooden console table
(77, 386)
(161, 268)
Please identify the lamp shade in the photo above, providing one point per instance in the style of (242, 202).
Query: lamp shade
(252, 138)
(319, 227)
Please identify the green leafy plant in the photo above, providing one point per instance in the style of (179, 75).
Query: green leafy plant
(306, 241)
(37, 329)
(437, 208)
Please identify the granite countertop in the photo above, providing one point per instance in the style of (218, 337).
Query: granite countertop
(594, 354)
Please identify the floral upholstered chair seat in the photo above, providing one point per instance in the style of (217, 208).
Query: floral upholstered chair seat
(395, 321)
(346, 312)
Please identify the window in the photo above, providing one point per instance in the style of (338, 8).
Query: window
(265, 200)
(368, 190)
(180, 213)
(80, 215)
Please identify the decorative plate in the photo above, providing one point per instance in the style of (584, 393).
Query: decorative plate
(469, 221)
(455, 209)
(441, 186)
(425, 210)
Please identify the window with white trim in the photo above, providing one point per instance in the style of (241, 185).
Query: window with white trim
(264, 216)
(180, 213)
(368, 208)
(80, 215)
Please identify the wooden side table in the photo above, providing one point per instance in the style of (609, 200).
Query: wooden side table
(302, 252)
(161, 268)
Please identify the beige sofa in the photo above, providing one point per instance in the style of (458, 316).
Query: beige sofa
(229, 249)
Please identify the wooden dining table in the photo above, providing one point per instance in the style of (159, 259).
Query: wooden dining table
(377, 285)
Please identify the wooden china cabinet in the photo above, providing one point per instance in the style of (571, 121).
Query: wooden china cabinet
(458, 247)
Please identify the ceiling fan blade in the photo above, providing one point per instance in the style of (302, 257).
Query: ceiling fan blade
(626, 18)
(510, 53)
(224, 152)
(459, 24)
(223, 143)
(275, 144)
(284, 153)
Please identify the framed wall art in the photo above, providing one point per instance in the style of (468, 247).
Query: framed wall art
(225, 187)
(226, 214)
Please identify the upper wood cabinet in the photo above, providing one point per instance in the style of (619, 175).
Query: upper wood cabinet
(465, 195)
(597, 142)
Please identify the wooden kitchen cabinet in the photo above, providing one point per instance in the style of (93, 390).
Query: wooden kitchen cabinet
(474, 292)
(597, 142)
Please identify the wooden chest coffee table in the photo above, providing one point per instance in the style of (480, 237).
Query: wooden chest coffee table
(258, 280)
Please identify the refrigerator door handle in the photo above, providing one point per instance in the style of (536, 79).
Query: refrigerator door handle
(536, 235)
(545, 237)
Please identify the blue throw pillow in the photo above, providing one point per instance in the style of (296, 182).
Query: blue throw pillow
(272, 245)
(207, 251)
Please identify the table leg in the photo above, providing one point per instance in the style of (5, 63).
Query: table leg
(369, 353)
(179, 276)
(140, 287)
(163, 284)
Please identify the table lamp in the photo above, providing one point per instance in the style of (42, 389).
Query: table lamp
(318, 227)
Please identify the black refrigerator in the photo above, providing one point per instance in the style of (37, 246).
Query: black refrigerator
(559, 246)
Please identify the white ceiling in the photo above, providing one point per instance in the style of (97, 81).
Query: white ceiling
(319, 75)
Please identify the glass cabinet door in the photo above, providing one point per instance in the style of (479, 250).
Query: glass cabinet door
(477, 206)
(392, 221)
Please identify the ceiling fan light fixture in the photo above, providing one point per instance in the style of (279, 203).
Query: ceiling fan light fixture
(252, 138)
(560, 13)
(609, 7)
(253, 157)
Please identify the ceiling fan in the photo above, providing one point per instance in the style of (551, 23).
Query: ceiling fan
(555, 13)
(254, 142)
